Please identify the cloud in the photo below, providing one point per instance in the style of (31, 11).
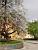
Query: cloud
(32, 6)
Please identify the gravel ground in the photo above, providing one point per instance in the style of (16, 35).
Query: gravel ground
(28, 45)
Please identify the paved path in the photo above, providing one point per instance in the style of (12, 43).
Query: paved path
(28, 45)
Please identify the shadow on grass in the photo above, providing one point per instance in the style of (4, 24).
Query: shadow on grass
(7, 42)
(30, 39)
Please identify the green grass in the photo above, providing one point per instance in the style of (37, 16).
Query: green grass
(9, 42)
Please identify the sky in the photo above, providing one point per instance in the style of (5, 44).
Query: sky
(32, 9)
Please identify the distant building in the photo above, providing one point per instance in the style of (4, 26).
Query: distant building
(29, 36)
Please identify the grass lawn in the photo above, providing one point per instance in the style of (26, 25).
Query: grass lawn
(14, 42)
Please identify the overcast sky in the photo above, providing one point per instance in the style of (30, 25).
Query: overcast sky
(32, 9)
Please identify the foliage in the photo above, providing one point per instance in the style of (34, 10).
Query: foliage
(33, 29)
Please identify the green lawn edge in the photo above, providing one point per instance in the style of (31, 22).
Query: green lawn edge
(2, 43)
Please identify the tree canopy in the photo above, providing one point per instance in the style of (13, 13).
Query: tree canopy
(33, 29)
(12, 15)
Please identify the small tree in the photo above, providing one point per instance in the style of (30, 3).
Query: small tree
(33, 29)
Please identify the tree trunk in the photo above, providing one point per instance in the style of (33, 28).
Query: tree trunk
(35, 37)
